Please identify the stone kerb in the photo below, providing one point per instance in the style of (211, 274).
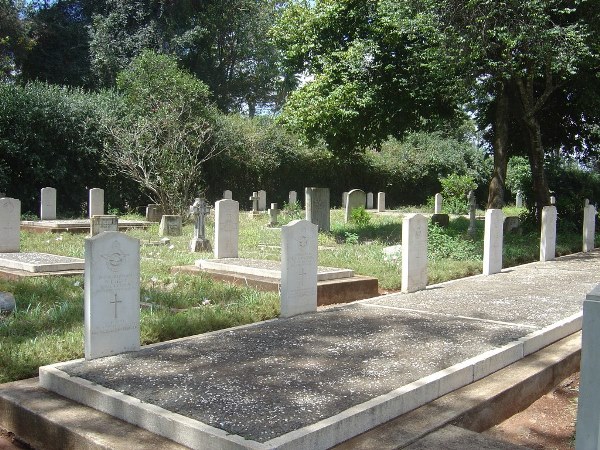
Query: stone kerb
(10, 225)
(111, 295)
(96, 202)
(356, 199)
(262, 200)
(414, 253)
(548, 234)
(317, 207)
(493, 241)
(299, 262)
(381, 202)
(589, 227)
(588, 409)
(227, 223)
(48, 203)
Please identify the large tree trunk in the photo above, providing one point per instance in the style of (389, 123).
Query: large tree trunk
(500, 144)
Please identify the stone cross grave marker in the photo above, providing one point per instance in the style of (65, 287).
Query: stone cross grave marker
(227, 194)
(369, 200)
(493, 241)
(438, 204)
(111, 295)
(154, 213)
(298, 268)
(262, 200)
(273, 213)
(317, 206)
(589, 226)
(292, 197)
(472, 209)
(227, 224)
(100, 224)
(548, 234)
(381, 202)
(96, 202)
(414, 253)
(170, 225)
(254, 199)
(199, 210)
(48, 204)
(356, 199)
(10, 225)
(519, 199)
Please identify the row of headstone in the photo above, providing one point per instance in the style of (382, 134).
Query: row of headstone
(48, 203)
(369, 200)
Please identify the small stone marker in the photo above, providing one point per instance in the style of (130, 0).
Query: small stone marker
(254, 199)
(438, 204)
(317, 207)
(273, 213)
(199, 210)
(111, 295)
(48, 204)
(548, 234)
(472, 210)
(589, 226)
(10, 225)
(519, 200)
(493, 241)
(587, 433)
(154, 213)
(356, 199)
(381, 202)
(369, 200)
(292, 197)
(170, 225)
(227, 194)
(227, 224)
(262, 200)
(298, 268)
(344, 199)
(7, 302)
(552, 200)
(96, 202)
(100, 224)
(414, 253)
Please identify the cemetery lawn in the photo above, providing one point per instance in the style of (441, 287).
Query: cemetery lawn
(47, 326)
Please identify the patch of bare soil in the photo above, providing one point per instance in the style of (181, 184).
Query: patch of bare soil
(548, 424)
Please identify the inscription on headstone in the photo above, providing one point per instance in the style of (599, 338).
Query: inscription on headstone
(96, 202)
(356, 199)
(10, 225)
(170, 225)
(100, 224)
(227, 223)
(48, 204)
(414, 253)
(317, 207)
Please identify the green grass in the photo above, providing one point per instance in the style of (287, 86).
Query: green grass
(47, 326)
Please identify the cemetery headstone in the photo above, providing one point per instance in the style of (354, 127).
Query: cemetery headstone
(154, 213)
(414, 253)
(273, 213)
(111, 295)
(298, 268)
(589, 226)
(227, 194)
(548, 234)
(344, 199)
(254, 199)
(356, 199)
(552, 200)
(48, 204)
(519, 200)
(317, 207)
(369, 200)
(199, 210)
(438, 204)
(170, 225)
(381, 201)
(493, 241)
(292, 197)
(10, 225)
(472, 209)
(262, 200)
(227, 223)
(96, 202)
(100, 224)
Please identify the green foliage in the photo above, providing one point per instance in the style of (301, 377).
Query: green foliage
(290, 212)
(360, 217)
(518, 177)
(455, 189)
(451, 243)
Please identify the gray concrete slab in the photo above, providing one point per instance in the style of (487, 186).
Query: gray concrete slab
(40, 262)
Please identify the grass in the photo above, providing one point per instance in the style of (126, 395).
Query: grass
(47, 325)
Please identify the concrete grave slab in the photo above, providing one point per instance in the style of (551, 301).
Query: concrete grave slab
(40, 262)
(75, 225)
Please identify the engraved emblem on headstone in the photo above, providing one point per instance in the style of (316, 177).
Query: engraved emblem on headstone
(115, 258)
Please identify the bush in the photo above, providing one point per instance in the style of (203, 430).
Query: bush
(455, 189)
(360, 217)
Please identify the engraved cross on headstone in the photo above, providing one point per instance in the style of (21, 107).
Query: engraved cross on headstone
(115, 302)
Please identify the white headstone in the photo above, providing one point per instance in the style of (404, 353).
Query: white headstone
(100, 224)
(10, 225)
(438, 204)
(356, 199)
(170, 225)
(96, 202)
(292, 198)
(273, 213)
(548, 235)
(298, 268)
(369, 200)
(111, 295)
(344, 199)
(153, 213)
(227, 194)
(48, 204)
(519, 200)
(414, 253)
(493, 241)
(552, 200)
(589, 227)
(262, 201)
(227, 224)
(587, 433)
(381, 201)
(317, 207)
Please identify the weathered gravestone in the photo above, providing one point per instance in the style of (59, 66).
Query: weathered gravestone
(298, 268)
(519, 199)
(273, 213)
(414, 253)
(100, 224)
(262, 200)
(548, 234)
(356, 199)
(493, 241)
(369, 200)
(381, 202)
(589, 226)
(48, 204)
(254, 200)
(227, 195)
(153, 213)
(10, 223)
(317, 207)
(437, 209)
(199, 210)
(227, 223)
(111, 295)
(170, 225)
(292, 197)
(96, 202)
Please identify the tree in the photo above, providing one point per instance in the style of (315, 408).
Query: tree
(14, 42)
